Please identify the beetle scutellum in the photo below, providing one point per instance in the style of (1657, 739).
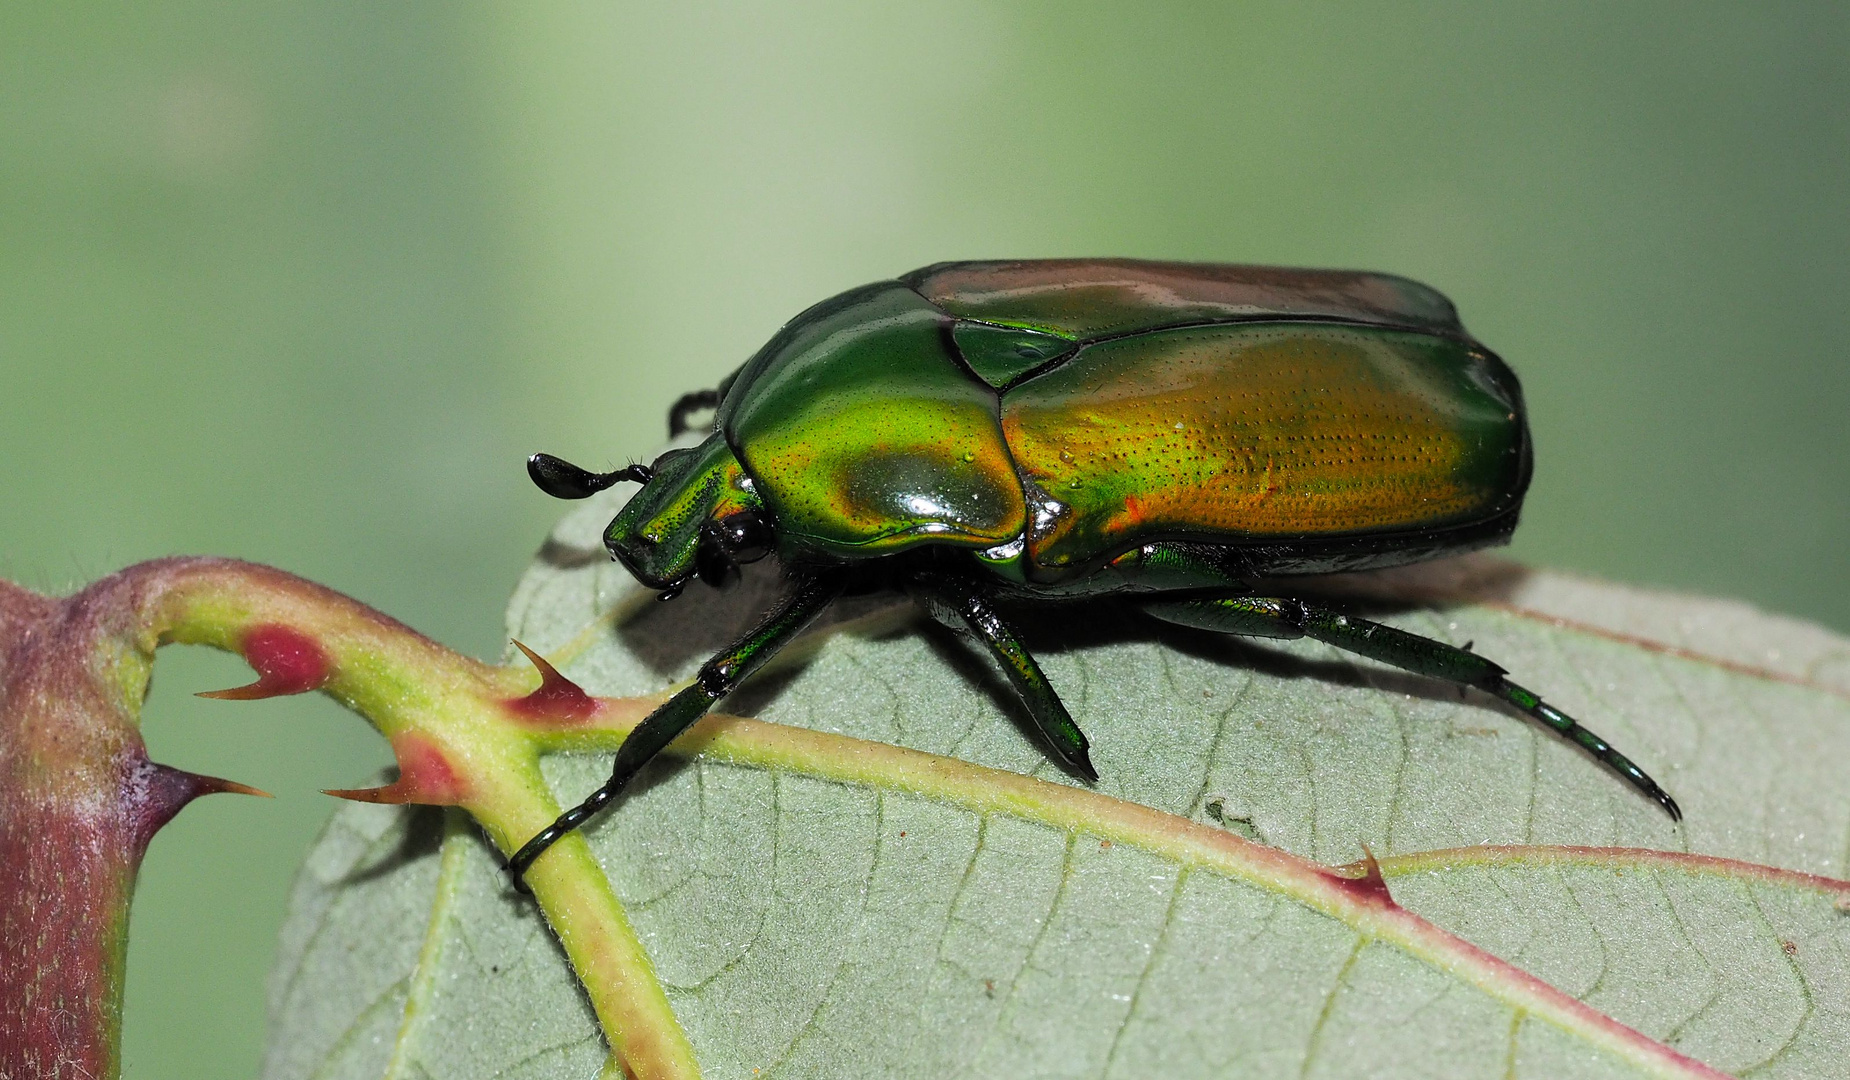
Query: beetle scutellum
(1065, 429)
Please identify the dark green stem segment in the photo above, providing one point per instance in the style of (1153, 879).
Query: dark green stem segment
(1276, 617)
(717, 678)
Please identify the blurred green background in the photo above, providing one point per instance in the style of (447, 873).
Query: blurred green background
(305, 283)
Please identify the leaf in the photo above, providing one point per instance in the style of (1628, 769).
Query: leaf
(819, 906)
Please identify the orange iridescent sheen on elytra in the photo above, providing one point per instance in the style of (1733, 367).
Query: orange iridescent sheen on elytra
(1287, 430)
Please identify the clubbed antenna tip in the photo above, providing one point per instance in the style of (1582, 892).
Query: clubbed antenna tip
(563, 480)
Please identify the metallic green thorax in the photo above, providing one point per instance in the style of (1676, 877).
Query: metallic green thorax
(865, 435)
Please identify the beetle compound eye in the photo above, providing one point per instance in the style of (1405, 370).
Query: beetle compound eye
(746, 536)
(713, 564)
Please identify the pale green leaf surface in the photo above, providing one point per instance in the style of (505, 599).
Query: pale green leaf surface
(806, 927)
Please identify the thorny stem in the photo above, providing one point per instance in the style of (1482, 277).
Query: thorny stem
(79, 798)
(79, 801)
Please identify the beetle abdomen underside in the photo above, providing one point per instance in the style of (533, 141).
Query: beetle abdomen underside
(1263, 432)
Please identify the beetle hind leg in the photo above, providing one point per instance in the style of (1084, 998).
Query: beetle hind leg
(1276, 617)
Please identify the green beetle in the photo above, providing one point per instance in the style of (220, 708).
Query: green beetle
(1060, 429)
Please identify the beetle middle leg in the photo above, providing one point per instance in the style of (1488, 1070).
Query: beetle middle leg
(717, 678)
(952, 599)
(1280, 617)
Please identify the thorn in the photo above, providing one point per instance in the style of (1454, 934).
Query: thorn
(557, 698)
(425, 776)
(287, 661)
(218, 785)
(1370, 883)
(252, 692)
(154, 793)
(395, 794)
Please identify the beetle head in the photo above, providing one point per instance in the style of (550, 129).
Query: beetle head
(697, 516)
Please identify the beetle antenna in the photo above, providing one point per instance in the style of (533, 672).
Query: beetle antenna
(563, 480)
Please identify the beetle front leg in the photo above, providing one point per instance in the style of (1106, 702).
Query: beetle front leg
(949, 598)
(686, 405)
(1271, 617)
(717, 678)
